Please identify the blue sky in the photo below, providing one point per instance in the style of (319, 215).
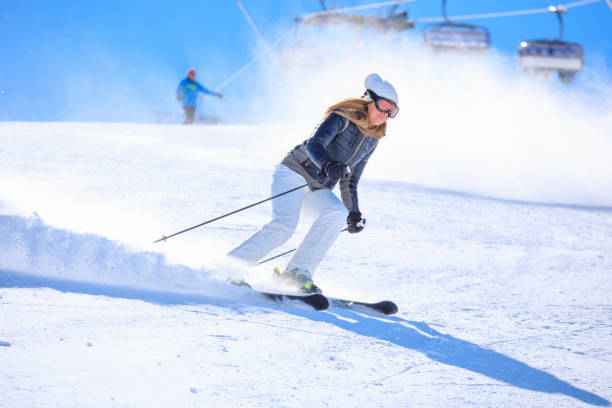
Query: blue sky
(58, 56)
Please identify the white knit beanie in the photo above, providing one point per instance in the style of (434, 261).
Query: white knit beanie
(382, 88)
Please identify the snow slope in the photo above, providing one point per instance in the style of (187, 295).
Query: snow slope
(503, 302)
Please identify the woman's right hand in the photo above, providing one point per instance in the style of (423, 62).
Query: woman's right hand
(335, 170)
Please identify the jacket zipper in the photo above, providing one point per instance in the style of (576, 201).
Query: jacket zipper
(363, 138)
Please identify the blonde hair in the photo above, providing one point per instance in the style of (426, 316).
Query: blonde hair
(356, 110)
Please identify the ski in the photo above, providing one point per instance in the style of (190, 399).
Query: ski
(321, 302)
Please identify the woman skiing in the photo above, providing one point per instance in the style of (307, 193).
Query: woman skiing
(337, 151)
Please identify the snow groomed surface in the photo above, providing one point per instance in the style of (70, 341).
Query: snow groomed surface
(502, 302)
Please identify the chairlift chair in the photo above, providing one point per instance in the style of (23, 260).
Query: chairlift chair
(395, 22)
(456, 37)
(465, 38)
(307, 54)
(565, 58)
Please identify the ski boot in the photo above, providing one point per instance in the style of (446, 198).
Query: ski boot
(299, 278)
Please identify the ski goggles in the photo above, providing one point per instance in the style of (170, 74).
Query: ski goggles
(383, 104)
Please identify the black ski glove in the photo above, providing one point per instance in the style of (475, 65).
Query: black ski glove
(334, 170)
(355, 222)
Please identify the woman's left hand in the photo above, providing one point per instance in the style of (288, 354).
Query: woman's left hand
(355, 222)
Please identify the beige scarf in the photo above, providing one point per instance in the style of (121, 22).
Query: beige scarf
(356, 110)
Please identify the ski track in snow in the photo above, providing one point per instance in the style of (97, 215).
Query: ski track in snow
(502, 303)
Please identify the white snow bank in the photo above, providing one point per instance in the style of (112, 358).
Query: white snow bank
(31, 247)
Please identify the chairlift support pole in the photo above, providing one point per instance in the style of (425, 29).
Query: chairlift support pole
(254, 27)
(445, 14)
(559, 10)
(446, 20)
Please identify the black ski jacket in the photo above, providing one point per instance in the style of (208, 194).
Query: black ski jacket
(334, 139)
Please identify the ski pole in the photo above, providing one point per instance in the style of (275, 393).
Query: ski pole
(164, 238)
(277, 256)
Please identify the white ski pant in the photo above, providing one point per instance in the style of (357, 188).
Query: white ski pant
(330, 217)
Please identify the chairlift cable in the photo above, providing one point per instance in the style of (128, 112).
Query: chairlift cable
(363, 7)
(482, 16)
(507, 13)
(420, 20)
(580, 3)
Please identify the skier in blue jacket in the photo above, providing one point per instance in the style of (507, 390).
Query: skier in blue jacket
(187, 92)
(337, 152)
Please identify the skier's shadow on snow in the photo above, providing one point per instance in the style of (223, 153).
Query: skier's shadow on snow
(412, 335)
(446, 349)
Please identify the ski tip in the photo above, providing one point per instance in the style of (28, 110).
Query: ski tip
(319, 302)
(388, 307)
